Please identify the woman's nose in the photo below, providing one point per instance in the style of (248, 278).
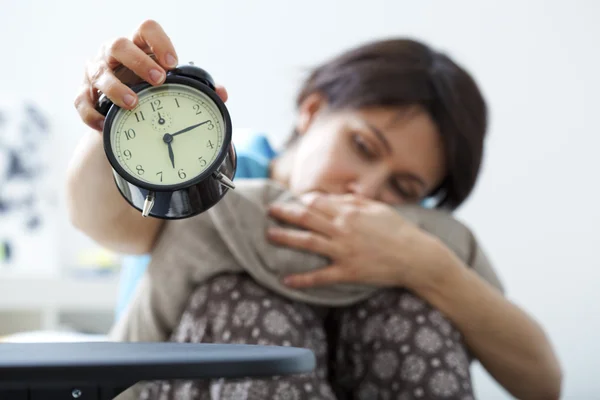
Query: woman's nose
(369, 186)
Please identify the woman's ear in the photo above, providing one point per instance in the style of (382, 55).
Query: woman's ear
(308, 111)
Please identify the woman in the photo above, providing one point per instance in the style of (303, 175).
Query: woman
(391, 122)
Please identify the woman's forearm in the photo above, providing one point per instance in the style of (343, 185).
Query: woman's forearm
(509, 344)
(95, 206)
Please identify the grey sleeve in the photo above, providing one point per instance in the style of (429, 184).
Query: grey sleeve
(481, 264)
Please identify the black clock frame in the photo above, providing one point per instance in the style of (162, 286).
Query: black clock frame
(188, 198)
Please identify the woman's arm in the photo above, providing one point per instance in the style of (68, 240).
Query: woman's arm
(509, 344)
(94, 204)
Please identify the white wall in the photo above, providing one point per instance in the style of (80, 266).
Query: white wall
(537, 61)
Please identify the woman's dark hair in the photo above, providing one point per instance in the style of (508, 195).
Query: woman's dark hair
(404, 72)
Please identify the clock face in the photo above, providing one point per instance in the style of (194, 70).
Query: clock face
(173, 135)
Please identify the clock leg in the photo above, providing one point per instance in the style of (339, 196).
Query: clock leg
(148, 204)
(223, 180)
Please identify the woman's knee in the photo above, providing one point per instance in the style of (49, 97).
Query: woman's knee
(233, 308)
(398, 343)
(398, 316)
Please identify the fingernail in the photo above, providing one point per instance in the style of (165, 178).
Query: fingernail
(156, 76)
(171, 60)
(129, 100)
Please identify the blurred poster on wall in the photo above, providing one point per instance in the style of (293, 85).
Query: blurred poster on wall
(27, 188)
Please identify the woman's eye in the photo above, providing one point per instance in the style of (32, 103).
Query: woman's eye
(406, 193)
(401, 191)
(362, 147)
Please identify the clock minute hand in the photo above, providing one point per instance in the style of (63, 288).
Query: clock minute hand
(189, 128)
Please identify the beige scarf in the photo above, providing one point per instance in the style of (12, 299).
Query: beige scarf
(230, 237)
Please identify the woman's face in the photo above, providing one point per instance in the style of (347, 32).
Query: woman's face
(388, 154)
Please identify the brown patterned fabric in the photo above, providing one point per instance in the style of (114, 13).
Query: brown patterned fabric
(392, 346)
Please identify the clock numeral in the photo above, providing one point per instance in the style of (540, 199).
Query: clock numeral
(197, 109)
(130, 134)
(156, 105)
(202, 162)
(160, 173)
(140, 170)
(181, 174)
(210, 145)
(140, 117)
(127, 154)
(210, 126)
(176, 102)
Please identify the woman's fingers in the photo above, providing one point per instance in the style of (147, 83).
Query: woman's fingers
(303, 240)
(222, 92)
(302, 216)
(151, 38)
(132, 57)
(124, 52)
(114, 89)
(85, 106)
(322, 277)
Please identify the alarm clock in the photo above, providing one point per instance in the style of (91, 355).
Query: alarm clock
(172, 155)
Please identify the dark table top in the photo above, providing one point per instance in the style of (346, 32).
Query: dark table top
(110, 363)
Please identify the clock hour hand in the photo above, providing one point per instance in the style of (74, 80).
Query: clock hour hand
(171, 155)
(167, 138)
(189, 128)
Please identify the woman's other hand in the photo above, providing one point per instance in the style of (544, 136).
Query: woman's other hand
(366, 241)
